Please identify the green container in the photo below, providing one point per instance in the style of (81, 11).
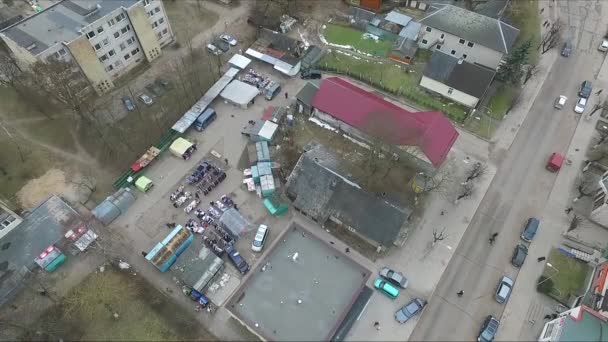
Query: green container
(56, 263)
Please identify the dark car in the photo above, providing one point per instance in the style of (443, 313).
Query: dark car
(519, 255)
(488, 329)
(222, 45)
(585, 90)
(237, 259)
(128, 103)
(530, 229)
(311, 74)
(410, 310)
(567, 49)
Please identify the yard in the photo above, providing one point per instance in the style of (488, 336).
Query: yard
(356, 40)
(393, 78)
(569, 276)
(524, 14)
(502, 100)
(116, 306)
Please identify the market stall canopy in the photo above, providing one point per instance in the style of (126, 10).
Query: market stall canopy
(239, 61)
(239, 93)
(143, 184)
(180, 146)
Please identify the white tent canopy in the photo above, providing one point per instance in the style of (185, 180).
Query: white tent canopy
(180, 146)
(239, 93)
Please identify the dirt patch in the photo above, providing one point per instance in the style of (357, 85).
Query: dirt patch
(116, 306)
(38, 189)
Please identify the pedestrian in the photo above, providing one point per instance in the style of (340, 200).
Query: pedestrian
(235, 207)
(43, 293)
(460, 293)
(547, 316)
(599, 91)
(491, 240)
(377, 325)
(226, 160)
(568, 210)
(442, 212)
(196, 195)
(494, 235)
(347, 250)
(542, 10)
(286, 95)
(541, 259)
(554, 316)
(144, 254)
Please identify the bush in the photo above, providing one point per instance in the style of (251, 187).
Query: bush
(544, 285)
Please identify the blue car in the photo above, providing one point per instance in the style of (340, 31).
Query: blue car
(237, 259)
(530, 229)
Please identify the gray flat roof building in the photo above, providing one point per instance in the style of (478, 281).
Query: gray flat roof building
(301, 291)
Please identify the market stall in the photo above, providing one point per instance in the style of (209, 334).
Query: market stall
(182, 148)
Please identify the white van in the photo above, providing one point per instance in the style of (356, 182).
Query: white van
(260, 238)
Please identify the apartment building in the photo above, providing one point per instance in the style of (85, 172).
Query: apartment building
(103, 38)
(8, 220)
(599, 211)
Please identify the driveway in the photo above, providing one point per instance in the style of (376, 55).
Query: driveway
(520, 189)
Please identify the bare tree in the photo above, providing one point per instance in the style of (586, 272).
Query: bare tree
(9, 70)
(438, 236)
(603, 106)
(575, 222)
(531, 70)
(465, 192)
(551, 37)
(477, 170)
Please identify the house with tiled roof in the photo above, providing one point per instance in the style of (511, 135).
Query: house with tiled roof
(370, 118)
(577, 324)
(467, 35)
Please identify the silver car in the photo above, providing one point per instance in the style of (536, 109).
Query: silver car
(410, 310)
(504, 290)
(228, 39)
(394, 277)
(145, 99)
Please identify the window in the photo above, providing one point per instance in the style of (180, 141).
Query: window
(157, 9)
(151, 13)
(110, 68)
(464, 56)
(116, 34)
(442, 35)
(146, 2)
(117, 64)
(111, 22)
(135, 51)
(103, 58)
(122, 46)
(453, 52)
(450, 91)
(97, 46)
(111, 53)
(161, 20)
(470, 44)
(461, 41)
(131, 40)
(428, 29)
(125, 29)
(154, 24)
(424, 41)
(438, 47)
(105, 41)
(10, 219)
(159, 35)
(61, 52)
(127, 56)
(91, 34)
(120, 17)
(165, 31)
(99, 29)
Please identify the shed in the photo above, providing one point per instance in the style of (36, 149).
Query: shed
(235, 223)
(262, 151)
(274, 206)
(403, 50)
(268, 130)
(110, 208)
(143, 184)
(239, 93)
(197, 268)
(260, 130)
(305, 97)
(239, 61)
(180, 146)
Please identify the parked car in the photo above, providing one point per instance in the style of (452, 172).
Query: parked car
(228, 39)
(212, 49)
(237, 259)
(222, 45)
(530, 229)
(488, 329)
(410, 310)
(145, 99)
(503, 291)
(560, 102)
(603, 46)
(580, 105)
(396, 278)
(585, 90)
(519, 255)
(128, 103)
(260, 238)
(386, 288)
(310, 74)
(567, 49)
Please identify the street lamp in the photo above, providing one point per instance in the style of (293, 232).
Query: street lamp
(556, 272)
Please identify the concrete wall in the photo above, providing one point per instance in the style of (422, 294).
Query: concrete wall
(476, 54)
(442, 89)
(144, 32)
(91, 67)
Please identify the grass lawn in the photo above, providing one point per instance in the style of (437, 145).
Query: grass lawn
(501, 101)
(483, 127)
(343, 35)
(569, 280)
(524, 14)
(188, 19)
(394, 78)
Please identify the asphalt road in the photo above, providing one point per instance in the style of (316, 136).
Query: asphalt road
(518, 191)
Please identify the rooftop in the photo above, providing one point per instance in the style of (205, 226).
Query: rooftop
(60, 23)
(371, 114)
(588, 325)
(489, 32)
(268, 301)
(307, 93)
(469, 78)
(44, 226)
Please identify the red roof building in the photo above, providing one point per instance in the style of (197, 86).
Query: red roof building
(432, 132)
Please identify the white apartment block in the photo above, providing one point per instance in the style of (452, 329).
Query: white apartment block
(104, 38)
(599, 211)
